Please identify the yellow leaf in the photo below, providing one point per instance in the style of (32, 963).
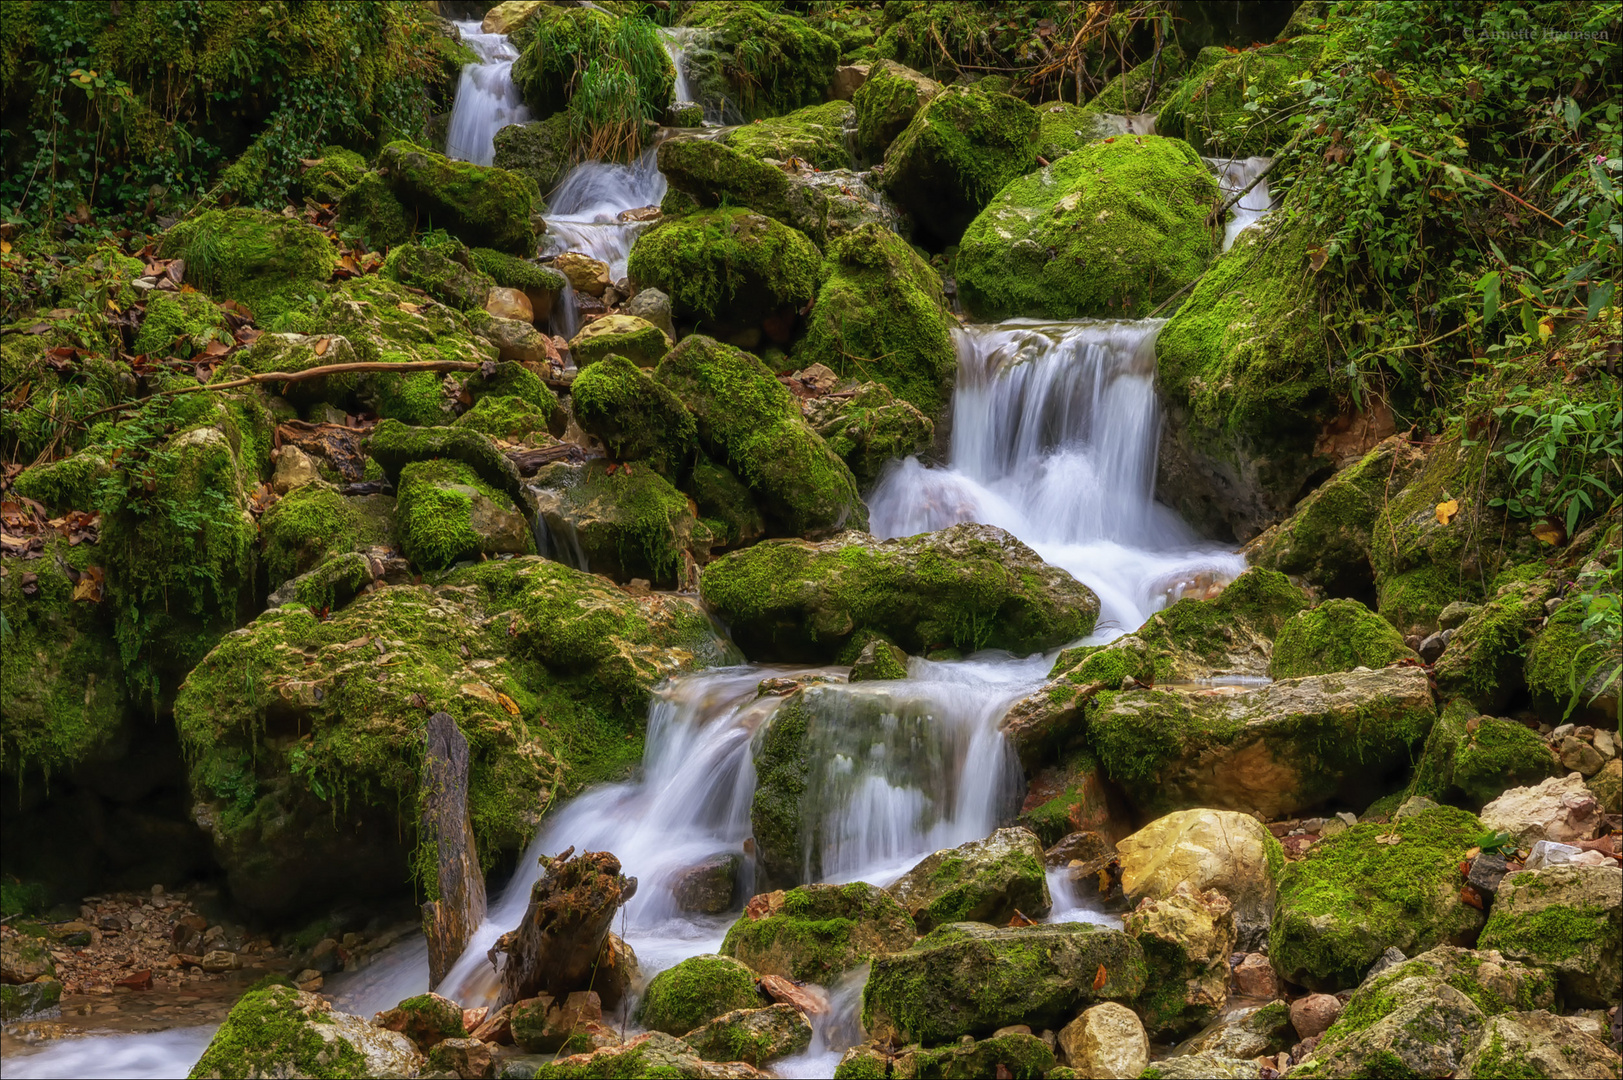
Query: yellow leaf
(5, 247)
(1446, 510)
(1548, 533)
(507, 703)
(1546, 327)
(111, 305)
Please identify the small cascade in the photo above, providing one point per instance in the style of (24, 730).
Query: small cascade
(1233, 175)
(584, 216)
(676, 44)
(486, 98)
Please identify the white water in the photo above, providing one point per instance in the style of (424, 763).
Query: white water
(676, 44)
(1233, 174)
(159, 1054)
(584, 214)
(486, 99)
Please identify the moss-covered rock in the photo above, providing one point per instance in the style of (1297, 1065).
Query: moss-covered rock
(1372, 888)
(971, 979)
(370, 211)
(817, 932)
(446, 514)
(481, 205)
(695, 991)
(1187, 938)
(815, 135)
(1472, 759)
(26, 1000)
(298, 730)
(1338, 635)
(1109, 231)
(870, 428)
(1539, 1043)
(1234, 105)
(726, 266)
(629, 523)
(394, 446)
(753, 1036)
(886, 103)
(1485, 660)
(268, 263)
(636, 418)
(725, 504)
(309, 525)
(1064, 128)
(180, 324)
(69, 483)
(425, 1019)
(957, 152)
(561, 42)
(970, 586)
(282, 1031)
(880, 314)
(981, 881)
(748, 421)
(505, 416)
(1241, 368)
(627, 336)
(334, 172)
(651, 1054)
(1015, 1054)
(539, 150)
(1568, 919)
(1564, 656)
(511, 379)
(59, 401)
(445, 272)
(764, 62)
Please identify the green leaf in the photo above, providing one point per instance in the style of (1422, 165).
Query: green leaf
(1490, 294)
(1529, 319)
(1599, 295)
(1383, 179)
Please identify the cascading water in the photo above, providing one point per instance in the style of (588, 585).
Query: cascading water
(584, 216)
(676, 43)
(486, 98)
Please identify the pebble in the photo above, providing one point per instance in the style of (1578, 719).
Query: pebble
(1313, 1015)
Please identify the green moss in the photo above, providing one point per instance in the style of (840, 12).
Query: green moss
(820, 932)
(446, 272)
(1496, 1063)
(68, 484)
(560, 43)
(815, 135)
(1015, 1055)
(724, 503)
(180, 324)
(539, 150)
(631, 524)
(269, 263)
(267, 1031)
(394, 445)
(512, 379)
(436, 512)
(886, 103)
(369, 211)
(637, 418)
(303, 528)
(1339, 635)
(482, 206)
(698, 989)
(766, 62)
(336, 171)
(1471, 759)
(506, 417)
(626, 336)
(515, 273)
(1230, 107)
(729, 266)
(1550, 935)
(1484, 661)
(708, 173)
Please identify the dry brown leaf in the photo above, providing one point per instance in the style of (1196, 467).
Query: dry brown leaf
(322, 345)
(409, 308)
(1446, 510)
(507, 703)
(1549, 533)
(1099, 978)
(1389, 839)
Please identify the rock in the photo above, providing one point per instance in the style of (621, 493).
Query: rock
(514, 339)
(696, 991)
(446, 272)
(1431, 647)
(1371, 888)
(1391, 958)
(548, 1025)
(1484, 662)
(1338, 635)
(652, 306)
(870, 428)
(1455, 614)
(280, 1031)
(1568, 919)
(883, 305)
(1110, 230)
(1561, 650)
(1274, 750)
(1607, 786)
(753, 1036)
(216, 961)
(24, 1000)
(982, 978)
(879, 659)
(539, 150)
(269, 263)
(750, 423)
(814, 134)
(1549, 853)
(636, 418)
(482, 206)
(1230, 853)
(1081, 847)
(1487, 871)
(1312, 1015)
(708, 886)
(1472, 759)
(586, 274)
(294, 468)
(1187, 939)
(984, 881)
(791, 600)
(635, 339)
(1245, 1034)
(425, 1019)
(565, 929)
(1539, 1042)
(957, 152)
(446, 514)
(627, 524)
(886, 102)
(728, 266)
(1106, 1041)
(1254, 977)
(1206, 1067)
(653, 1054)
(508, 16)
(1559, 808)
(468, 1059)
(1580, 757)
(817, 932)
(725, 504)
(1011, 1053)
(23, 960)
(450, 920)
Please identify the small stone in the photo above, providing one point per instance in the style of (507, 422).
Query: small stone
(469, 1059)
(307, 975)
(1487, 871)
(1562, 731)
(1455, 614)
(586, 274)
(157, 890)
(1431, 648)
(1605, 743)
(1417, 804)
(1580, 757)
(653, 306)
(1254, 977)
(310, 986)
(1549, 853)
(1331, 827)
(218, 961)
(505, 303)
(1391, 958)
(1313, 1015)
(1106, 1042)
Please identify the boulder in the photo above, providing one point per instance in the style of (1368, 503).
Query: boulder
(988, 881)
(1187, 940)
(23, 959)
(548, 1025)
(1559, 808)
(972, 586)
(1472, 759)
(1568, 919)
(1254, 977)
(879, 659)
(1245, 1033)
(483, 206)
(886, 103)
(957, 152)
(625, 524)
(814, 135)
(1106, 1041)
(1205, 1067)
(447, 514)
(1230, 104)
(696, 991)
(22, 1001)
(1371, 888)
(803, 59)
(268, 263)
(725, 503)
(749, 422)
(627, 336)
(870, 428)
(1485, 657)
(181, 325)
(1014, 1053)
(708, 885)
(538, 150)
(585, 274)
(1540, 1043)
(817, 932)
(1564, 650)
(1072, 798)
(445, 272)
(1109, 231)
(972, 979)
(507, 417)
(461, 1058)
(1312, 1015)
(1338, 635)
(1274, 750)
(1220, 850)
(370, 209)
(513, 380)
(514, 339)
(731, 267)
(753, 1036)
(425, 1019)
(280, 1031)
(652, 1054)
(651, 305)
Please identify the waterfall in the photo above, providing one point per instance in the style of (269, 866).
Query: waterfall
(584, 216)
(1233, 174)
(676, 43)
(486, 98)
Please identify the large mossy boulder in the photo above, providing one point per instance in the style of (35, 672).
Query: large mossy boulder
(539, 150)
(881, 314)
(959, 150)
(1274, 750)
(970, 586)
(181, 325)
(481, 205)
(268, 263)
(314, 522)
(696, 991)
(292, 727)
(280, 1031)
(1242, 370)
(972, 979)
(1485, 660)
(886, 103)
(652, 1054)
(1471, 759)
(752, 1036)
(728, 266)
(368, 210)
(626, 336)
(625, 524)
(1369, 889)
(816, 933)
(749, 422)
(870, 428)
(762, 62)
(394, 446)
(447, 514)
(1568, 920)
(814, 135)
(1338, 635)
(1108, 232)
(445, 272)
(1233, 103)
(988, 881)
(1540, 1042)
(636, 418)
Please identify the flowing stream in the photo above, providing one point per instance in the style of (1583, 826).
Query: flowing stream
(486, 99)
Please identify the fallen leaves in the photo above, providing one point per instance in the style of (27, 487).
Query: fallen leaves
(1099, 978)
(1446, 510)
(1389, 839)
(1547, 532)
(88, 585)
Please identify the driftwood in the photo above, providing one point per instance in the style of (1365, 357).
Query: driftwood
(340, 445)
(529, 460)
(450, 921)
(561, 939)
